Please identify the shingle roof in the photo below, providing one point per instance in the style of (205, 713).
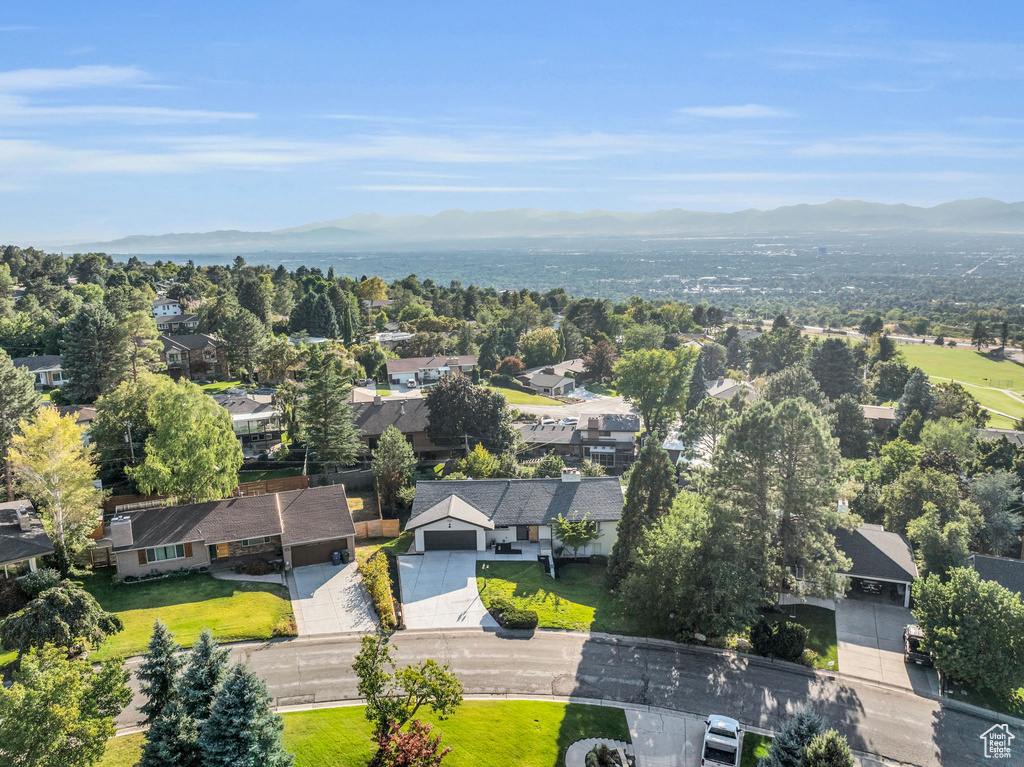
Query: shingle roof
(38, 363)
(549, 381)
(164, 301)
(508, 502)
(191, 341)
(451, 507)
(82, 413)
(537, 434)
(372, 419)
(17, 544)
(306, 515)
(876, 553)
(879, 412)
(613, 422)
(1015, 437)
(1008, 573)
(412, 364)
(246, 406)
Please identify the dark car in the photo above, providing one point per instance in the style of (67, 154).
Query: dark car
(870, 587)
(912, 652)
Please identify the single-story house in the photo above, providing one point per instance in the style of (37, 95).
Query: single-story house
(44, 367)
(878, 555)
(881, 417)
(195, 357)
(22, 538)
(428, 369)
(1006, 571)
(547, 381)
(298, 527)
(174, 322)
(472, 515)
(166, 307)
(256, 421)
(1016, 438)
(409, 416)
(573, 368)
(726, 389)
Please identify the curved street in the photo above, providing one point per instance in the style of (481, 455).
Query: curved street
(878, 720)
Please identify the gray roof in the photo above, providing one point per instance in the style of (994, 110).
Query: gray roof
(316, 514)
(451, 507)
(17, 544)
(549, 380)
(242, 405)
(876, 553)
(1008, 573)
(508, 502)
(537, 434)
(191, 341)
(412, 364)
(177, 319)
(613, 422)
(82, 413)
(372, 418)
(1015, 437)
(38, 363)
(165, 301)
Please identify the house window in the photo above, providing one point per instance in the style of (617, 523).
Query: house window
(58, 378)
(255, 541)
(209, 355)
(174, 357)
(163, 553)
(604, 433)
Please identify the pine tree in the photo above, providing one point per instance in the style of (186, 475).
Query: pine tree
(241, 730)
(326, 417)
(207, 664)
(302, 314)
(92, 354)
(698, 385)
(18, 402)
(323, 321)
(789, 743)
(652, 488)
(834, 368)
(172, 739)
(917, 396)
(393, 462)
(829, 749)
(159, 672)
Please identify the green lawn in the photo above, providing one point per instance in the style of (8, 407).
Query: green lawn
(260, 476)
(219, 387)
(754, 747)
(481, 734)
(607, 389)
(578, 599)
(232, 610)
(383, 389)
(395, 546)
(820, 623)
(523, 398)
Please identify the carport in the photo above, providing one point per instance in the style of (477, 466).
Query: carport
(877, 555)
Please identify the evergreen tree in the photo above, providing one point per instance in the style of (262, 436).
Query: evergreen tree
(834, 368)
(788, 745)
(241, 730)
(172, 739)
(980, 335)
(851, 428)
(795, 382)
(301, 317)
(159, 672)
(735, 354)
(326, 417)
(18, 402)
(829, 749)
(92, 354)
(207, 664)
(917, 397)
(323, 322)
(393, 462)
(698, 389)
(247, 340)
(652, 488)
(256, 295)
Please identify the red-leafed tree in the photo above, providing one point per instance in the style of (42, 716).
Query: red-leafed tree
(415, 748)
(510, 366)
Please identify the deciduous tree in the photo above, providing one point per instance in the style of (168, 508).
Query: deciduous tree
(393, 462)
(464, 414)
(600, 360)
(65, 616)
(576, 531)
(655, 381)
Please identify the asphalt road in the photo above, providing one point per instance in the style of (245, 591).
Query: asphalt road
(878, 720)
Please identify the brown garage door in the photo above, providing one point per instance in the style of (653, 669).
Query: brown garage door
(449, 540)
(316, 553)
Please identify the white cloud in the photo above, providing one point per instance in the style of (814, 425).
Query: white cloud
(14, 110)
(29, 80)
(444, 188)
(740, 112)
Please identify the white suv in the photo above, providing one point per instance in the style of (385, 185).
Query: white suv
(723, 742)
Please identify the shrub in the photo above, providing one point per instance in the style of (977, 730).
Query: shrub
(599, 560)
(42, 579)
(377, 579)
(512, 617)
(285, 627)
(781, 639)
(602, 756)
(508, 382)
(12, 597)
(258, 567)
(809, 658)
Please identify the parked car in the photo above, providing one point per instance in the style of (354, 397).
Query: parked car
(870, 587)
(548, 421)
(723, 742)
(570, 421)
(912, 652)
(411, 384)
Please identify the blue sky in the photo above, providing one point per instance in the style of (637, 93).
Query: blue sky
(145, 118)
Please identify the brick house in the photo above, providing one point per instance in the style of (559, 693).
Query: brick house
(196, 357)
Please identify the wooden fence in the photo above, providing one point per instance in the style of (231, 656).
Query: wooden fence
(262, 487)
(378, 528)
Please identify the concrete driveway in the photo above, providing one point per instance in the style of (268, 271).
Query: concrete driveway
(870, 636)
(439, 591)
(330, 600)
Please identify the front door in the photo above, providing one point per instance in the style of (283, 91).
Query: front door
(522, 532)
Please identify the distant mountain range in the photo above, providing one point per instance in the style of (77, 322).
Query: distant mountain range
(375, 231)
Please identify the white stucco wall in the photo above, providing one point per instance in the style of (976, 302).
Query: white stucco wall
(603, 545)
(453, 524)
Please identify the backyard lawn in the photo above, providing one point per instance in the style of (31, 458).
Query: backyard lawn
(578, 599)
(523, 398)
(383, 389)
(362, 504)
(394, 546)
(232, 610)
(481, 734)
(219, 387)
(820, 623)
(607, 389)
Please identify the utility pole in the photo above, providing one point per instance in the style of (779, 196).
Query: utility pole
(128, 439)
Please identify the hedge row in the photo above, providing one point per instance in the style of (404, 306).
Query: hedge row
(377, 579)
(512, 617)
(508, 382)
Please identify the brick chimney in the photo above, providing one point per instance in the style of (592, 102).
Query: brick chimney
(121, 531)
(549, 370)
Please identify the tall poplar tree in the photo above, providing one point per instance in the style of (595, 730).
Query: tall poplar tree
(18, 402)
